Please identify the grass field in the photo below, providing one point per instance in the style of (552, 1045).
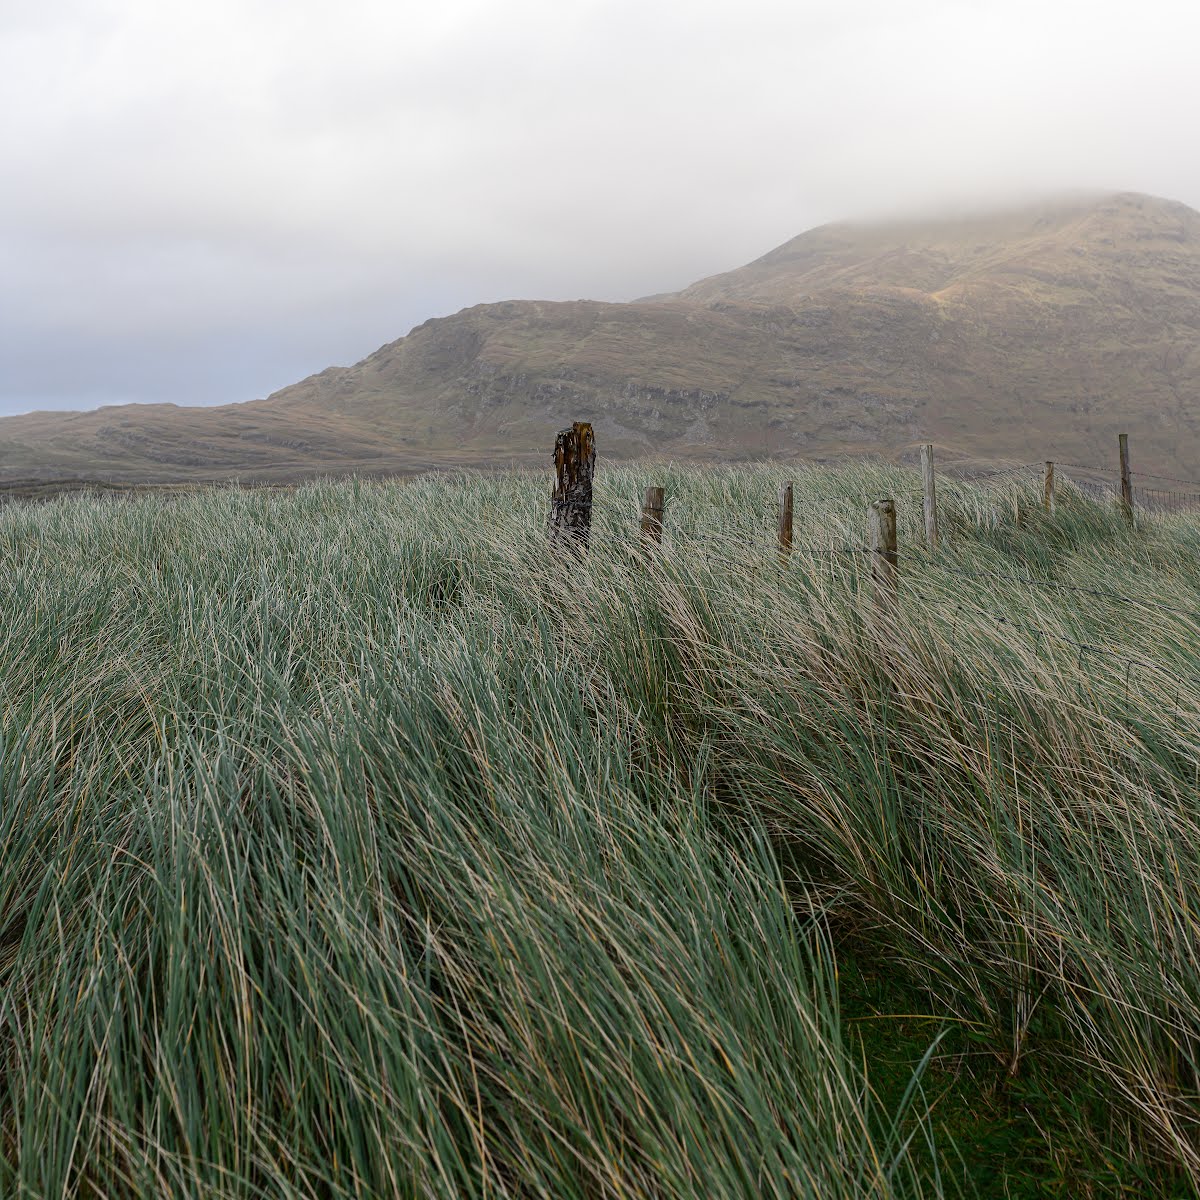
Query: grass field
(350, 846)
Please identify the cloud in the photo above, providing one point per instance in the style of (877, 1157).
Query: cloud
(211, 178)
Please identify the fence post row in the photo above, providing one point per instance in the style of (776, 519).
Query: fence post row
(652, 515)
(571, 503)
(885, 560)
(570, 521)
(1126, 479)
(929, 488)
(785, 520)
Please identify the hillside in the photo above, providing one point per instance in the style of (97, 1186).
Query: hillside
(1027, 334)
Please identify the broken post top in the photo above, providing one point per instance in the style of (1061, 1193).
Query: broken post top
(574, 459)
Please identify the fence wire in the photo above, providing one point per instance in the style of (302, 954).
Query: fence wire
(1164, 478)
(1152, 500)
(1160, 500)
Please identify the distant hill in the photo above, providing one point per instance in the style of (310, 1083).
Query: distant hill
(1020, 335)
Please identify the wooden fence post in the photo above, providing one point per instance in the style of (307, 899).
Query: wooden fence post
(1048, 488)
(885, 560)
(571, 503)
(1126, 478)
(785, 520)
(652, 515)
(929, 487)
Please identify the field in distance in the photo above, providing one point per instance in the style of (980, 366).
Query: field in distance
(352, 846)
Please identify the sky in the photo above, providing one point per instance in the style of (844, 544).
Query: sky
(201, 203)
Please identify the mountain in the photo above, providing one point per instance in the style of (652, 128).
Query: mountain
(1034, 333)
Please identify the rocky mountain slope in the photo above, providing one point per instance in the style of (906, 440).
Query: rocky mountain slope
(1023, 335)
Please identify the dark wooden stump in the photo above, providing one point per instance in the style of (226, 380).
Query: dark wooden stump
(571, 503)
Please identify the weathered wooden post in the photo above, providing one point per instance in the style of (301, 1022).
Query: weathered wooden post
(1126, 478)
(785, 521)
(929, 487)
(885, 560)
(571, 503)
(652, 516)
(1048, 488)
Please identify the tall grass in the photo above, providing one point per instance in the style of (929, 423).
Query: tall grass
(351, 847)
(335, 862)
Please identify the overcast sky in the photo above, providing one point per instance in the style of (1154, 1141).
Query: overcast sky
(202, 202)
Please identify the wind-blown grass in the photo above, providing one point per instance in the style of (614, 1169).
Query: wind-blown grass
(329, 866)
(350, 846)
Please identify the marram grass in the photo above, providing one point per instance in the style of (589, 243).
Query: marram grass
(352, 847)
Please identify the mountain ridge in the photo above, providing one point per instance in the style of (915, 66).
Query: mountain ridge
(1029, 333)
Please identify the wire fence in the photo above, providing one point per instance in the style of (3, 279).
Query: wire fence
(1095, 483)
(1098, 483)
(1103, 483)
(1125, 662)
